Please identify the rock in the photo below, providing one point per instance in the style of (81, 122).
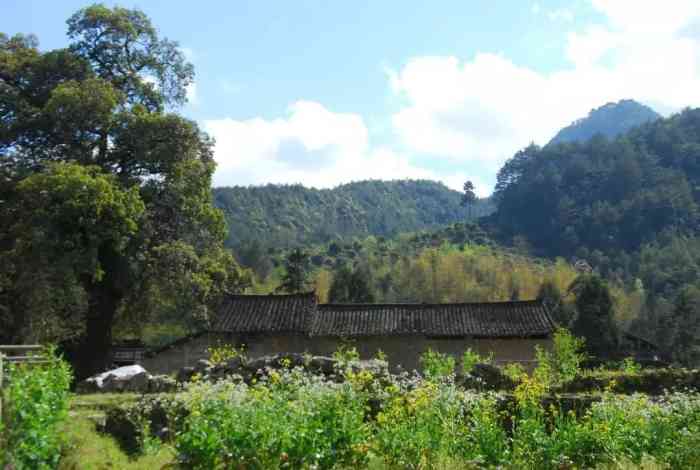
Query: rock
(160, 384)
(376, 367)
(322, 364)
(185, 374)
(202, 366)
(258, 363)
(234, 365)
(138, 382)
(487, 377)
(113, 384)
(118, 376)
(290, 360)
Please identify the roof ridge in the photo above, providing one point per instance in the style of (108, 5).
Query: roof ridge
(271, 295)
(424, 305)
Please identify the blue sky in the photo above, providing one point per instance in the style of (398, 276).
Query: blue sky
(326, 92)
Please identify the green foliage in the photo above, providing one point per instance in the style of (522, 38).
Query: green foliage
(346, 354)
(351, 286)
(437, 365)
(594, 322)
(609, 120)
(107, 217)
(566, 356)
(292, 215)
(514, 371)
(630, 366)
(300, 425)
(35, 403)
(291, 419)
(471, 358)
(296, 272)
(223, 353)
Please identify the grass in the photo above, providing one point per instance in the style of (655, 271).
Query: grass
(88, 449)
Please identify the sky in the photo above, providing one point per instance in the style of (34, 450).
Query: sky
(325, 92)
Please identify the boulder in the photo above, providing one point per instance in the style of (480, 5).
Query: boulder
(138, 382)
(185, 374)
(160, 384)
(96, 382)
(487, 377)
(322, 364)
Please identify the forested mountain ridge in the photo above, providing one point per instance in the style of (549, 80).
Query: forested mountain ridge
(610, 120)
(606, 195)
(291, 215)
(630, 207)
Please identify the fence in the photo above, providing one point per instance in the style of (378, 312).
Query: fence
(25, 357)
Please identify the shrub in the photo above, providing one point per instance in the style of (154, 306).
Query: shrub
(471, 358)
(35, 403)
(284, 423)
(514, 371)
(222, 353)
(630, 366)
(437, 365)
(345, 354)
(563, 363)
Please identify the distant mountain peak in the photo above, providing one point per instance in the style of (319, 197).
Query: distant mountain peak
(610, 120)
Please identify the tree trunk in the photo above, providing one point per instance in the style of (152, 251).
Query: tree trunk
(105, 296)
(95, 352)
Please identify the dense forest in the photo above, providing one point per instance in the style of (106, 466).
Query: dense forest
(628, 206)
(610, 120)
(292, 215)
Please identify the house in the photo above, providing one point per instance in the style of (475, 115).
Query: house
(269, 324)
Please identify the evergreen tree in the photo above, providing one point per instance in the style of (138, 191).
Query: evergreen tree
(351, 286)
(296, 275)
(553, 299)
(594, 306)
(686, 313)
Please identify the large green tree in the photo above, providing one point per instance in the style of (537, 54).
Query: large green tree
(297, 267)
(106, 191)
(351, 286)
(594, 306)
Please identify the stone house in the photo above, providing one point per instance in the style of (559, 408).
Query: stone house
(269, 324)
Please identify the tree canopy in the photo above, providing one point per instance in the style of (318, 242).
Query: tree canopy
(107, 200)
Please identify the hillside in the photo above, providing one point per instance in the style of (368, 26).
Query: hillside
(289, 215)
(605, 195)
(609, 120)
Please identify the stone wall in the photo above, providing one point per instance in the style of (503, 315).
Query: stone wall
(403, 350)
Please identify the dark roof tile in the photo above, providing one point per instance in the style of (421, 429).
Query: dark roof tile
(299, 313)
(291, 313)
(486, 319)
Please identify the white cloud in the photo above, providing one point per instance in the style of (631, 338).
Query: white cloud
(482, 110)
(469, 115)
(311, 145)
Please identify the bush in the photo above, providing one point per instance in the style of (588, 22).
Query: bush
(471, 358)
(563, 363)
(34, 405)
(437, 365)
(290, 424)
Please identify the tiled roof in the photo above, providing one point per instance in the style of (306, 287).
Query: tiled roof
(299, 313)
(291, 313)
(487, 319)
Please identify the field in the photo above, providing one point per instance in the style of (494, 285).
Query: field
(362, 416)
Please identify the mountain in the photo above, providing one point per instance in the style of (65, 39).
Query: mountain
(609, 120)
(290, 215)
(604, 196)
